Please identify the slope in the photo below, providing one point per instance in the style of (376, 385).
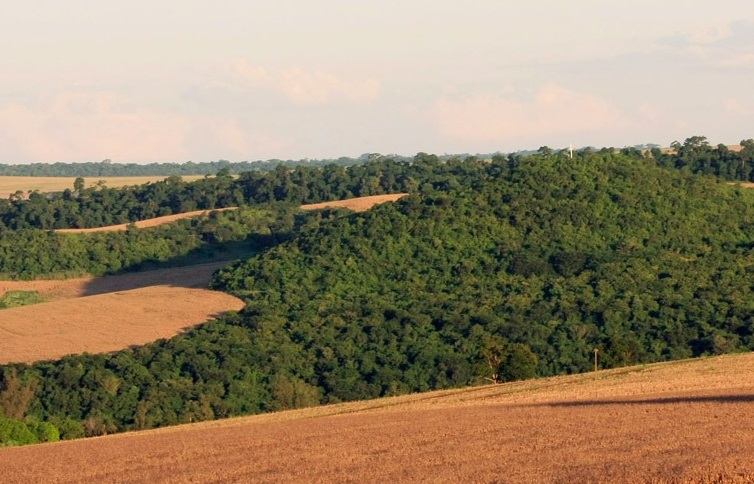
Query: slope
(686, 421)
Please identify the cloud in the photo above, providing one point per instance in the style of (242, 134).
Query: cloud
(302, 87)
(89, 126)
(551, 111)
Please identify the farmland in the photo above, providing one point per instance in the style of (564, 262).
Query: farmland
(687, 421)
(489, 271)
(359, 204)
(44, 184)
(108, 314)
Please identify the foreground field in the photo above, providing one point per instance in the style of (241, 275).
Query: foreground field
(10, 184)
(107, 322)
(687, 421)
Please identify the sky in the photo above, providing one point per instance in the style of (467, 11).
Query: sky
(243, 80)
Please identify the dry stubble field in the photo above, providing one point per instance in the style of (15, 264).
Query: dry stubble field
(109, 313)
(688, 421)
(9, 184)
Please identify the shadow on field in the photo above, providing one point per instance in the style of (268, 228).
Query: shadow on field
(191, 270)
(656, 401)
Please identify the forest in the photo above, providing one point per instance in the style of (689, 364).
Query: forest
(489, 271)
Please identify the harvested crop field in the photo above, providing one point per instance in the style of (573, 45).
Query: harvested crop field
(687, 421)
(196, 276)
(143, 224)
(106, 322)
(10, 184)
(360, 204)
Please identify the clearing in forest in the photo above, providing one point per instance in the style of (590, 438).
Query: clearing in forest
(688, 421)
(359, 204)
(142, 224)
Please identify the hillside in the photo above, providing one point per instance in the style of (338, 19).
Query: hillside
(491, 271)
(687, 421)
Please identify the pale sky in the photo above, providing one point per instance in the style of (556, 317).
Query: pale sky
(172, 81)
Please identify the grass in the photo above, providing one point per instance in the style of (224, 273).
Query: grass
(14, 299)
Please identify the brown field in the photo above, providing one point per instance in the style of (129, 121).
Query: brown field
(106, 322)
(108, 313)
(142, 224)
(743, 184)
(689, 421)
(9, 184)
(359, 204)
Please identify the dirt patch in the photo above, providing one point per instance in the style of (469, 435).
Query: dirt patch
(106, 322)
(681, 422)
(142, 224)
(197, 276)
(360, 204)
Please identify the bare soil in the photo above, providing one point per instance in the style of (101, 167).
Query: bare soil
(142, 224)
(106, 322)
(689, 421)
(360, 204)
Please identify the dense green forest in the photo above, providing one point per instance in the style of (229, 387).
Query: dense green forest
(488, 271)
(34, 254)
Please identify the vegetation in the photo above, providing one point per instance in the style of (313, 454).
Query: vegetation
(12, 299)
(489, 271)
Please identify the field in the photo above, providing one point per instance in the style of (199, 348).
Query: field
(142, 224)
(9, 184)
(687, 421)
(356, 204)
(109, 313)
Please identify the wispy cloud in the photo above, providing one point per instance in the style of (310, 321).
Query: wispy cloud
(301, 86)
(551, 111)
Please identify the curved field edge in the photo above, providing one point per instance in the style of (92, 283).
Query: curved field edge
(686, 421)
(196, 276)
(106, 322)
(142, 224)
(358, 204)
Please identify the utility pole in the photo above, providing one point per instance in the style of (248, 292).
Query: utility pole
(596, 352)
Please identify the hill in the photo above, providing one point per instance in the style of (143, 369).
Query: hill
(687, 421)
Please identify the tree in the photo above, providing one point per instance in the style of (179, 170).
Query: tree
(78, 185)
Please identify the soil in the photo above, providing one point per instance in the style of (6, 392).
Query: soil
(687, 421)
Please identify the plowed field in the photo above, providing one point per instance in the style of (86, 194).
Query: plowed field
(688, 421)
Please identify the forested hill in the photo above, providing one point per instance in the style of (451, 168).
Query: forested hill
(558, 256)
(486, 272)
